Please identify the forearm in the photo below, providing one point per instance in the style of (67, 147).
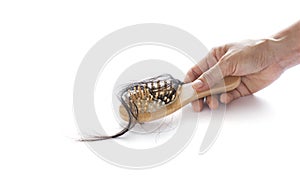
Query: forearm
(286, 46)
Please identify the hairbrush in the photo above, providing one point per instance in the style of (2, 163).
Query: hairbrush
(157, 97)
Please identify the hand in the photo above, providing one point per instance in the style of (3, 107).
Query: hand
(255, 61)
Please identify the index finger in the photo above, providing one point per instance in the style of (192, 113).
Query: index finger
(203, 65)
(195, 72)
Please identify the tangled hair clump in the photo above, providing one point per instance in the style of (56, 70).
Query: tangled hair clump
(137, 97)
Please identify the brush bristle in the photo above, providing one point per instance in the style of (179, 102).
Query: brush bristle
(149, 96)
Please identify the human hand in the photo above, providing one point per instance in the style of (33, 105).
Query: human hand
(256, 61)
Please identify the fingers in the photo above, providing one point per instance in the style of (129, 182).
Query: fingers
(210, 70)
(198, 105)
(214, 75)
(230, 96)
(212, 102)
(226, 98)
(196, 71)
(241, 90)
(207, 62)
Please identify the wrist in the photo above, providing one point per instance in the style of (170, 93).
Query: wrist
(286, 47)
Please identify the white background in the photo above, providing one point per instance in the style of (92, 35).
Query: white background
(41, 47)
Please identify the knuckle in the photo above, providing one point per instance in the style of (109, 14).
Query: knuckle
(226, 66)
(209, 78)
(194, 71)
(189, 76)
(213, 51)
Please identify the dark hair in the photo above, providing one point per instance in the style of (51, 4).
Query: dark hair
(130, 107)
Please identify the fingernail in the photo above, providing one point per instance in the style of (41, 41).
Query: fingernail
(198, 84)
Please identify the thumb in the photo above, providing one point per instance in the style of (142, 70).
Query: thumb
(211, 77)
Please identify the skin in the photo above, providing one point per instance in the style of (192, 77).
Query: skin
(258, 62)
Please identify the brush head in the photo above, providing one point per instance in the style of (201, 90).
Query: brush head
(150, 95)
